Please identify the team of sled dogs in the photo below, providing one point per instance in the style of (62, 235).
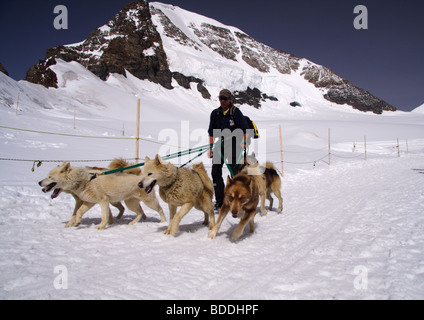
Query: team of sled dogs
(178, 187)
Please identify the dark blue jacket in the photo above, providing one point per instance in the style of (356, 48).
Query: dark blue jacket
(232, 122)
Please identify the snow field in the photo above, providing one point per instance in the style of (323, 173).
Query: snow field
(366, 214)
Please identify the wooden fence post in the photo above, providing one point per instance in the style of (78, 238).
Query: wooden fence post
(137, 146)
(281, 150)
(365, 144)
(329, 148)
(398, 147)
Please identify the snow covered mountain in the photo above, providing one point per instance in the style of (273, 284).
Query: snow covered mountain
(173, 47)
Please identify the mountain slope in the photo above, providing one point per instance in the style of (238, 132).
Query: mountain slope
(174, 47)
(419, 109)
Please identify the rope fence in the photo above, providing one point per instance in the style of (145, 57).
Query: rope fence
(198, 151)
(83, 136)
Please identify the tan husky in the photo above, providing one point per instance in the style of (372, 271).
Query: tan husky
(241, 198)
(179, 187)
(102, 189)
(268, 181)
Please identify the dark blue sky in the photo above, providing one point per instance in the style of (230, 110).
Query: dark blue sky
(387, 59)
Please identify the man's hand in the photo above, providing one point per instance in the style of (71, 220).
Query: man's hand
(210, 152)
(243, 144)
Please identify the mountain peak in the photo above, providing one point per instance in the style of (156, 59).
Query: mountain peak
(127, 42)
(3, 69)
(169, 45)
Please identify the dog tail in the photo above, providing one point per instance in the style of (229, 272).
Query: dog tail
(120, 163)
(271, 175)
(270, 166)
(199, 168)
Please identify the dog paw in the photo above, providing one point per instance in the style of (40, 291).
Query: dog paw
(101, 227)
(212, 235)
(167, 231)
(236, 235)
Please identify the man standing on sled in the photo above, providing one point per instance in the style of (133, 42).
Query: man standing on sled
(228, 124)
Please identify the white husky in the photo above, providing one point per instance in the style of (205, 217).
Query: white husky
(102, 189)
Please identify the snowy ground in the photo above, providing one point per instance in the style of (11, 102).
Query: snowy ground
(352, 230)
(362, 215)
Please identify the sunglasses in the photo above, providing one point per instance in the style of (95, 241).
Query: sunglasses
(224, 98)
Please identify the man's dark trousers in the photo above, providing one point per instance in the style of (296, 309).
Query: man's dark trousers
(223, 151)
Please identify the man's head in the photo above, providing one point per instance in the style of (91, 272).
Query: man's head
(225, 98)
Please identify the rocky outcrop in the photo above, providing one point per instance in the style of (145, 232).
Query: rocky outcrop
(2, 69)
(252, 97)
(185, 82)
(218, 39)
(129, 42)
(172, 31)
(340, 91)
(41, 74)
(262, 57)
(358, 98)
